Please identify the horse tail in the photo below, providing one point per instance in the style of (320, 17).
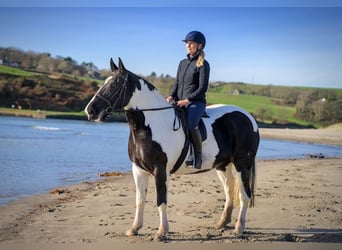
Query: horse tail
(239, 186)
(252, 183)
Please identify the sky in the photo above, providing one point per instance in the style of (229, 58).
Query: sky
(291, 46)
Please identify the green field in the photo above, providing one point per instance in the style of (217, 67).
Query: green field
(254, 104)
(14, 71)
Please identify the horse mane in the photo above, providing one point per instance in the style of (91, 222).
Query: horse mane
(137, 82)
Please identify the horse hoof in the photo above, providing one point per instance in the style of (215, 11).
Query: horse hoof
(160, 238)
(222, 224)
(238, 231)
(131, 232)
(162, 235)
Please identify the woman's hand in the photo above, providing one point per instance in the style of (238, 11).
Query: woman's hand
(183, 103)
(170, 100)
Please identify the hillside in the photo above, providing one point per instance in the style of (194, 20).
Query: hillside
(271, 105)
(58, 92)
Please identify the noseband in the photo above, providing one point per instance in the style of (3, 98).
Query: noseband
(109, 109)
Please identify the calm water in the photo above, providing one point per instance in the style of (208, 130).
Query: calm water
(37, 155)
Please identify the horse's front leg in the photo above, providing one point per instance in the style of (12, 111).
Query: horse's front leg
(161, 179)
(141, 183)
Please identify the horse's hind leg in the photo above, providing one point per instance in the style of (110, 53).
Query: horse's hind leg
(227, 180)
(141, 184)
(244, 197)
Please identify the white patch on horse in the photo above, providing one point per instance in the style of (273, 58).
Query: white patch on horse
(146, 98)
(141, 178)
(107, 80)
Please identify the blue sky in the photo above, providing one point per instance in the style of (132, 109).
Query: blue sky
(263, 45)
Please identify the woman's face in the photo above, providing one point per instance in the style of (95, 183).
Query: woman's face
(192, 47)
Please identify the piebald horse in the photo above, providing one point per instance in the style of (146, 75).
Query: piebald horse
(155, 146)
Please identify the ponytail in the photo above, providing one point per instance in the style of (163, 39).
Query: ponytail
(200, 59)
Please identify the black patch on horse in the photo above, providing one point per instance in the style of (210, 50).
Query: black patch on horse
(146, 153)
(236, 145)
(142, 150)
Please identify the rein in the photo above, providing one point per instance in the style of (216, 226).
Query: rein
(177, 123)
(149, 109)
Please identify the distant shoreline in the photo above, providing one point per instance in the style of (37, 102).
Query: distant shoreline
(38, 114)
(117, 117)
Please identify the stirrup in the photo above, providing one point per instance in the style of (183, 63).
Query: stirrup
(199, 164)
(191, 164)
(190, 161)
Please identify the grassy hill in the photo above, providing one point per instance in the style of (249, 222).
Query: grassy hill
(14, 71)
(67, 95)
(31, 90)
(257, 104)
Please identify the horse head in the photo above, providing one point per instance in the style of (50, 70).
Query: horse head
(114, 94)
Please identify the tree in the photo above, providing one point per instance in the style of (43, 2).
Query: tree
(263, 113)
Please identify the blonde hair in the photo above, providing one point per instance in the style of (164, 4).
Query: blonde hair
(200, 59)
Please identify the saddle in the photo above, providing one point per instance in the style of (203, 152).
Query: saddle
(181, 119)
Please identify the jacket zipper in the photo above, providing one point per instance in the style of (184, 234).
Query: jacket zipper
(186, 69)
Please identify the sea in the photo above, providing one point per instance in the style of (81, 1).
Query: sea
(37, 155)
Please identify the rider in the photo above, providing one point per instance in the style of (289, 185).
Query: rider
(190, 88)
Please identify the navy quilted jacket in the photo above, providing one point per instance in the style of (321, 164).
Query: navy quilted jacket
(191, 82)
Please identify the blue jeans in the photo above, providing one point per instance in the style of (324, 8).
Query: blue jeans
(195, 110)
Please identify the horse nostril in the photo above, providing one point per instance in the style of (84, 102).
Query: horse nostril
(90, 113)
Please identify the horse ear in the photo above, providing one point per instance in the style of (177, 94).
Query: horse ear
(113, 67)
(121, 66)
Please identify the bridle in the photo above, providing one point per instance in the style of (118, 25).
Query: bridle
(121, 91)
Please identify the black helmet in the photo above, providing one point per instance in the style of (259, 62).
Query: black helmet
(195, 36)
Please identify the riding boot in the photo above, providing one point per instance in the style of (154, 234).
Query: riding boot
(190, 160)
(197, 145)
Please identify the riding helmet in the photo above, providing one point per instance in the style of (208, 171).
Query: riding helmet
(195, 36)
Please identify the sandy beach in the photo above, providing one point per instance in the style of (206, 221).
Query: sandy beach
(297, 200)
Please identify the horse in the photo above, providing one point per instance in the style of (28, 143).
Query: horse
(156, 145)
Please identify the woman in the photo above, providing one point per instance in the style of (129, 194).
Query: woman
(190, 88)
